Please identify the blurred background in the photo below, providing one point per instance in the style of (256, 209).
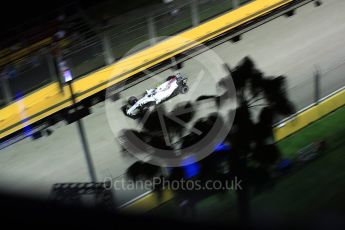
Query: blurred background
(287, 66)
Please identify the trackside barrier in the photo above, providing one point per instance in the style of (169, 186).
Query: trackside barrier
(148, 202)
(310, 115)
(283, 129)
(38, 105)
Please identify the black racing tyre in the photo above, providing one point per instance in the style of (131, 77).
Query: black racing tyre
(124, 109)
(132, 100)
(144, 109)
(184, 89)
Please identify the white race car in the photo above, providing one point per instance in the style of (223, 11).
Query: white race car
(173, 86)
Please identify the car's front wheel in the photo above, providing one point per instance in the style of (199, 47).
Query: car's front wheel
(132, 100)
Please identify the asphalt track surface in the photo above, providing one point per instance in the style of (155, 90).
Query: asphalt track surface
(291, 46)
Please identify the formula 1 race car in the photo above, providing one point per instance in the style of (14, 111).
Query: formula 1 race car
(173, 86)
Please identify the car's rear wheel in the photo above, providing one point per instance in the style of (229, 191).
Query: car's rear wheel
(132, 100)
(184, 89)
